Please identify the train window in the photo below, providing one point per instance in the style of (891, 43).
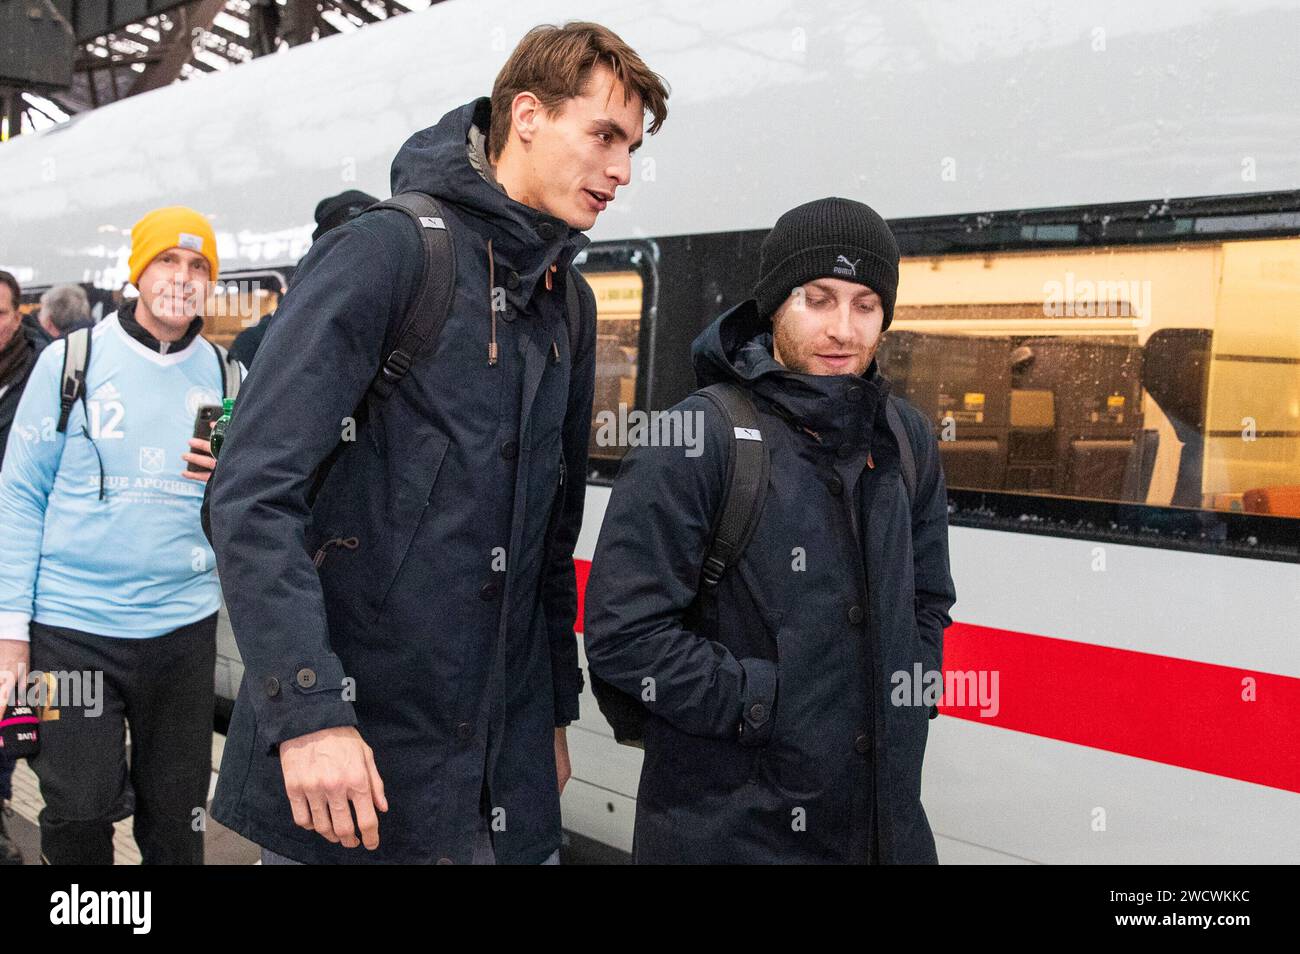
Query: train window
(621, 276)
(618, 334)
(239, 301)
(1165, 375)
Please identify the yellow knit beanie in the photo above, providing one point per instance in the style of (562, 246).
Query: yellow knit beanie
(172, 227)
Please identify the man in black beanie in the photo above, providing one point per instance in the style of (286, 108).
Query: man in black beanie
(757, 614)
(335, 210)
(331, 212)
(817, 255)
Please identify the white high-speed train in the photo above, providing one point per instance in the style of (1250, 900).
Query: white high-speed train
(1099, 308)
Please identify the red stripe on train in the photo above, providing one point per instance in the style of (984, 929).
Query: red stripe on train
(1175, 711)
(583, 569)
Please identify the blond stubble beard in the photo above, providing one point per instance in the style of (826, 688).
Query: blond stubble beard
(798, 359)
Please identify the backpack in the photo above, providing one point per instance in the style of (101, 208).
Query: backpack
(748, 467)
(72, 386)
(421, 326)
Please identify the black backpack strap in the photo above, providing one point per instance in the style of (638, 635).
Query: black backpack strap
(424, 318)
(748, 464)
(76, 359)
(747, 474)
(906, 453)
(428, 311)
(228, 368)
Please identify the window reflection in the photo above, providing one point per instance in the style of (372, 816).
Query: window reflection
(1162, 375)
(618, 331)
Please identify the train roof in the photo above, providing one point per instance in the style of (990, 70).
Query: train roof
(919, 110)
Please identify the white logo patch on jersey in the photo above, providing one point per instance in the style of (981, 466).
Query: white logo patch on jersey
(152, 459)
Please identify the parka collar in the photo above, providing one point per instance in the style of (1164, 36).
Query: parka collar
(838, 412)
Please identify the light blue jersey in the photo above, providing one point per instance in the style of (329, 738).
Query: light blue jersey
(134, 564)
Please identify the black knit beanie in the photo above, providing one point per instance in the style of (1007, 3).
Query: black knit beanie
(828, 238)
(341, 208)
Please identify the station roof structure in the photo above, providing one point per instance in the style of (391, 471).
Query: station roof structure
(87, 53)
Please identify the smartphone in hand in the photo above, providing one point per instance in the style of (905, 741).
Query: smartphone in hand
(203, 421)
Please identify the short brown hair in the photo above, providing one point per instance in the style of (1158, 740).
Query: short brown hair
(554, 63)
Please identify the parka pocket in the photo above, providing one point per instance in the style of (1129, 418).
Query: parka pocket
(363, 528)
(683, 768)
(412, 493)
(765, 609)
(322, 552)
(767, 647)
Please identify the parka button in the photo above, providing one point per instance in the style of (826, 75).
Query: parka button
(489, 591)
(862, 744)
(546, 230)
(464, 731)
(510, 450)
(853, 393)
(272, 686)
(445, 861)
(835, 485)
(758, 713)
(512, 281)
(306, 678)
(855, 615)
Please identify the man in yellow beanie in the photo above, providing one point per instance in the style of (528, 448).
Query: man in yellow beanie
(112, 576)
(173, 260)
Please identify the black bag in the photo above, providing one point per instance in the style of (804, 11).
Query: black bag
(19, 733)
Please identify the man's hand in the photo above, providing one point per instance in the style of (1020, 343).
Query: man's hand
(563, 771)
(200, 457)
(323, 772)
(15, 656)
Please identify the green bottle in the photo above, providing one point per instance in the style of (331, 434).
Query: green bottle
(219, 428)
